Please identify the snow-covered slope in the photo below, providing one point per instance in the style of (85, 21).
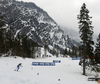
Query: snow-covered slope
(66, 72)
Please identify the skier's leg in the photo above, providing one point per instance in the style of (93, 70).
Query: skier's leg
(17, 68)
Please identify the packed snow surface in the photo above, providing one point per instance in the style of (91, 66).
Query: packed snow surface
(66, 72)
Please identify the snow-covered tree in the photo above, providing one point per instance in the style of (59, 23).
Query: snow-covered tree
(86, 32)
(97, 50)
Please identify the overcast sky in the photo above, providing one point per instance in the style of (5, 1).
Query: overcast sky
(65, 12)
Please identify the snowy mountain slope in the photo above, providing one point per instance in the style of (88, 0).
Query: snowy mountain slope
(28, 19)
(66, 72)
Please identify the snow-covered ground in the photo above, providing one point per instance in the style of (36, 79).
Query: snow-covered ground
(66, 72)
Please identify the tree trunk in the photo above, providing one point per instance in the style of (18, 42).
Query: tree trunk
(84, 66)
(84, 73)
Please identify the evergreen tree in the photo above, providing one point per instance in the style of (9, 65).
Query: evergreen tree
(45, 50)
(29, 49)
(16, 47)
(2, 23)
(86, 31)
(97, 50)
(69, 52)
(33, 46)
(74, 50)
(24, 46)
(9, 40)
(81, 51)
(65, 53)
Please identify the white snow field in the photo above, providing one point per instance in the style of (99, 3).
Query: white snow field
(66, 72)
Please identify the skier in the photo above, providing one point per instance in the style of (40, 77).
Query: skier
(18, 66)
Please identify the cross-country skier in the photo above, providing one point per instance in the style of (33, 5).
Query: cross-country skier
(18, 66)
